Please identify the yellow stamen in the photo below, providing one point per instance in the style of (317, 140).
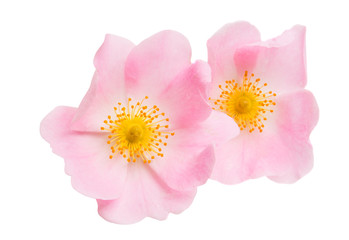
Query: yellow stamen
(247, 103)
(134, 134)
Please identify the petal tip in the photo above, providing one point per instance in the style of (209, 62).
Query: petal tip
(240, 31)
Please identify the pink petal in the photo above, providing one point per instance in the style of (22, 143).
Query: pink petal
(110, 63)
(280, 62)
(185, 98)
(144, 195)
(283, 153)
(297, 113)
(156, 61)
(185, 165)
(222, 46)
(218, 128)
(107, 86)
(86, 156)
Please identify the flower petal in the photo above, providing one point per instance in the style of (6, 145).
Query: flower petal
(107, 86)
(221, 49)
(297, 113)
(110, 63)
(86, 156)
(184, 167)
(280, 61)
(185, 98)
(145, 195)
(218, 128)
(156, 61)
(283, 153)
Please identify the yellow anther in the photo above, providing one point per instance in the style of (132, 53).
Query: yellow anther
(135, 134)
(246, 102)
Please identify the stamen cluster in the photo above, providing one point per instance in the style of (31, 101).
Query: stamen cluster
(247, 103)
(137, 132)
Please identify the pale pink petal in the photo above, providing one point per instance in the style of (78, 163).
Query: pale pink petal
(144, 195)
(222, 46)
(297, 114)
(185, 98)
(282, 153)
(156, 61)
(280, 62)
(110, 63)
(185, 165)
(86, 156)
(218, 128)
(108, 84)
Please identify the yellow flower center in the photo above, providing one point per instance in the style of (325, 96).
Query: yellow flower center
(137, 132)
(134, 133)
(247, 103)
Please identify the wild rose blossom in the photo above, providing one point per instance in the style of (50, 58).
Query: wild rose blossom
(260, 85)
(140, 140)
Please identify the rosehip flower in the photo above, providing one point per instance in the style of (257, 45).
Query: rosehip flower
(260, 85)
(138, 143)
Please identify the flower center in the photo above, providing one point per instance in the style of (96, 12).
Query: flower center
(134, 133)
(247, 103)
(244, 104)
(137, 132)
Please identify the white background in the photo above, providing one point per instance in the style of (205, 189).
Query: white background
(46, 54)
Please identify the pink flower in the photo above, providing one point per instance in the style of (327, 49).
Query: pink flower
(139, 142)
(261, 86)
